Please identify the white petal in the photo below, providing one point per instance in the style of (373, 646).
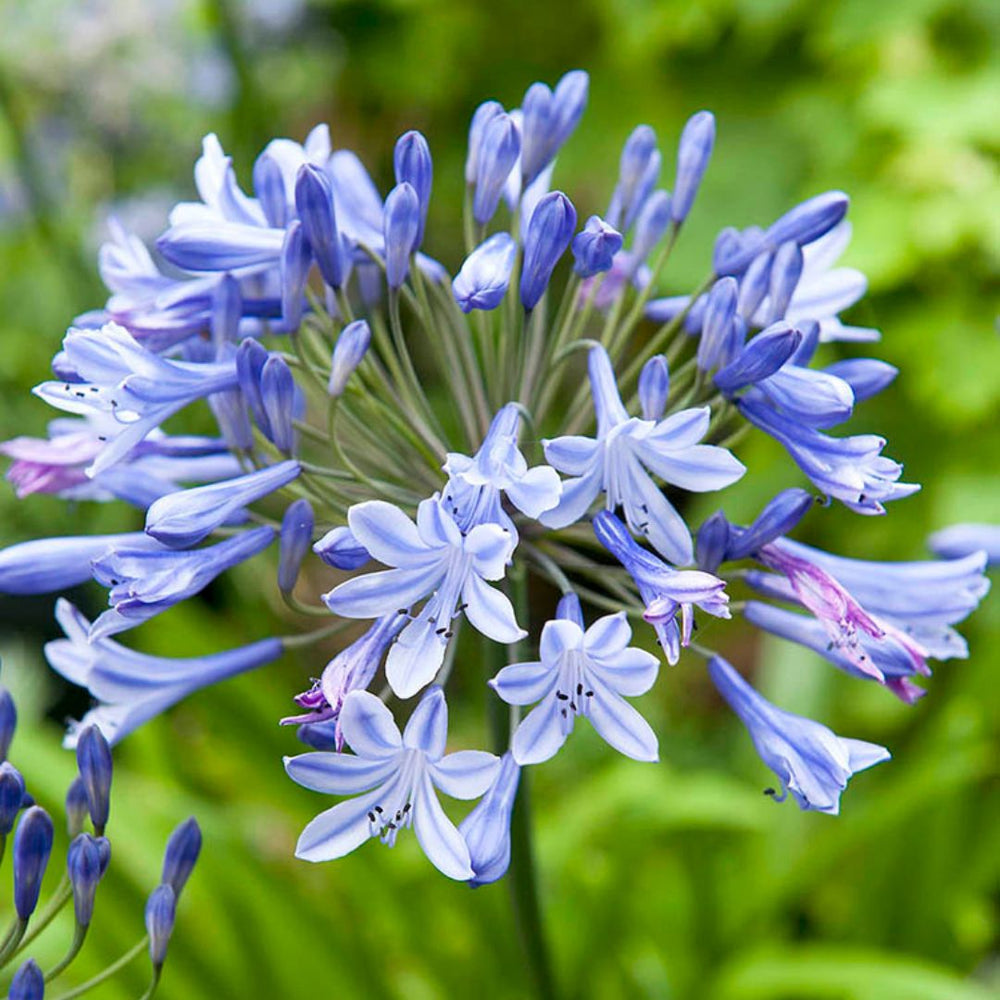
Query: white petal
(559, 636)
(427, 728)
(490, 611)
(524, 683)
(572, 455)
(681, 430)
(490, 546)
(577, 496)
(862, 754)
(414, 658)
(339, 830)
(540, 734)
(338, 773)
(441, 841)
(620, 725)
(700, 468)
(648, 511)
(466, 774)
(608, 635)
(372, 595)
(368, 726)
(630, 672)
(436, 526)
(536, 491)
(386, 532)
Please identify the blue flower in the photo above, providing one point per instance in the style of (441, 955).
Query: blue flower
(965, 539)
(693, 153)
(412, 162)
(595, 246)
(639, 169)
(482, 282)
(581, 673)
(475, 484)
(139, 389)
(486, 830)
(617, 460)
(811, 762)
(430, 559)
(497, 153)
(397, 776)
(143, 582)
(28, 982)
(133, 687)
(549, 233)
(401, 231)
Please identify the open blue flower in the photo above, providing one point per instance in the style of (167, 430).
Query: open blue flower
(398, 776)
(619, 461)
(581, 673)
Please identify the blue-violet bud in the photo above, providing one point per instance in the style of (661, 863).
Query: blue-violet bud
(350, 349)
(760, 358)
(93, 758)
(340, 549)
(497, 155)
(161, 910)
(413, 165)
(549, 233)
(269, 187)
(11, 796)
(32, 847)
(296, 537)
(400, 228)
(8, 721)
(650, 226)
(595, 246)
(693, 154)
(754, 285)
(481, 117)
(277, 395)
(227, 308)
(181, 855)
(482, 282)
(778, 518)
(654, 387)
(314, 203)
(785, 273)
(296, 259)
(86, 862)
(77, 807)
(486, 829)
(809, 221)
(717, 322)
(28, 983)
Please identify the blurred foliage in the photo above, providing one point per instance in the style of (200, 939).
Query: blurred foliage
(676, 880)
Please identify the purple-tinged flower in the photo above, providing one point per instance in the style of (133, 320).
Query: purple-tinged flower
(720, 313)
(475, 484)
(595, 246)
(665, 591)
(498, 151)
(220, 246)
(143, 582)
(93, 760)
(401, 230)
(296, 259)
(811, 761)
(8, 722)
(348, 353)
(86, 862)
(340, 549)
(314, 202)
(808, 221)
(133, 687)
(296, 537)
(482, 282)
(807, 396)
(549, 233)
(654, 387)
(850, 469)
(581, 673)
(181, 855)
(778, 518)
(32, 848)
(759, 359)
(959, 540)
(637, 175)
(137, 388)
(161, 912)
(28, 982)
(11, 796)
(398, 775)
(412, 162)
(186, 517)
(480, 119)
(617, 460)
(352, 669)
(693, 153)
(47, 565)
(486, 830)
(712, 542)
(430, 559)
(786, 269)
(867, 377)
(650, 225)
(277, 167)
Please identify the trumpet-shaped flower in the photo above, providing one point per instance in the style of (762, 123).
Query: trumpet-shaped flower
(397, 776)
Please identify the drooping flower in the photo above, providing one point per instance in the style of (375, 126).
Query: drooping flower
(486, 830)
(397, 776)
(617, 460)
(966, 539)
(430, 559)
(811, 762)
(581, 673)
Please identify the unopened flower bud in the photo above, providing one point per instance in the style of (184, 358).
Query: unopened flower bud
(497, 155)
(314, 203)
(759, 359)
(296, 537)
(413, 165)
(93, 757)
(778, 518)
(296, 259)
(712, 541)
(181, 854)
(486, 829)
(350, 349)
(400, 229)
(11, 796)
(480, 119)
(227, 309)
(650, 225)
(595, 246)
(785, 273)
(654, 387)
(32, 847)
(161, 910)
(28, 983)
(717, 322)
(8, 721)
(754, 284)
(693, 153)
(269, 187)
(549, 234)
(86, 862)
(277, 395)
(482, 282)
(810, 220)
(340, 549)
(77, 807)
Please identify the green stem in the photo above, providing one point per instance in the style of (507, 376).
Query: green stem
(157, 972)
(111, 970)
(60, 898)
(13, 937)
(74, 949)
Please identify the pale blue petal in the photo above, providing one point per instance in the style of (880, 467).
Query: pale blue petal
(540, 734)
(490, 611)
(572, 455)
(559, 636)
(681, 430)
(608, 404)
(387, 533)
(339, 830)
(699, 468)
(621, 726)
(536, 491)
(368, 726)
(608, 635)
(524, 683)
(631, 672)
(648, 511)
(414, 658)
(375, 594)
(339, 773)
(436, 525)
(861, 754)
(577, 496)
(465, 774)
(437, 835)
(490, 546)
(427, 729)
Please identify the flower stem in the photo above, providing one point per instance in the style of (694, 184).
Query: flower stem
(101, 977)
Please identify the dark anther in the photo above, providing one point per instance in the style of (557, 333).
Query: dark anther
(440, 631)
(406, 808)
(572, 705)
(80, 394)
(371, 816)
(770, 791)
(562, 696)
(579, 689)
(563, 712)
(449, 634)
(402, 611)
(378, 809)
(589, 694)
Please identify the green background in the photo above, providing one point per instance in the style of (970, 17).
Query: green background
(672, 880)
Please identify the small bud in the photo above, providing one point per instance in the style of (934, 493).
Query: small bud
(497, 155)
(93, 757)
(785, 273)
(314, 203)
(227, 310)
(296, 259)
(717, 322)
(161, 910)
(350, 349)
(712, 541)
(86, 862)
(650, 225)
(269, 187)
(413, 165)
(761, 358)
(11, 796)
(8, 721)
(400, 229)
(693, 153)
(569, 608)
(482, 282)
(734, 251)
(754, 285)
(340, 549)
(549, 234)
(654, 387)
(32, 847)
(810, 220)
(181, 854)
(77, 807)
(594, 248)
(28, 983)
(637, 174)
(296, 536)
(536, 131)
(779, 517)
(569, 101)
(480, 119)
(277, 394)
